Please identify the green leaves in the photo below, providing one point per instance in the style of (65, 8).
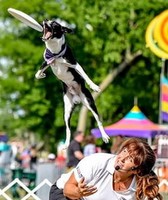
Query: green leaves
(106, 33)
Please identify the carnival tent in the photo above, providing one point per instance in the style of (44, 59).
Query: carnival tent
(134, 124)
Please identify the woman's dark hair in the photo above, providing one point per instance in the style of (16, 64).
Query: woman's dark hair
(148, 186)
(144, 159)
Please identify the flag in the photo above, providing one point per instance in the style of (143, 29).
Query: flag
(164, 98)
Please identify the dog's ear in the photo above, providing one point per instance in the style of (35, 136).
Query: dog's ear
(66, 30)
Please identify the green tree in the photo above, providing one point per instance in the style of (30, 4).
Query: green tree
(107, 34)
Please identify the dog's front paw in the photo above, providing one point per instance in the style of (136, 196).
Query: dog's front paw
(40, 74)
(95, 87)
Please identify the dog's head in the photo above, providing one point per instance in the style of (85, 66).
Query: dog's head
(52, 29)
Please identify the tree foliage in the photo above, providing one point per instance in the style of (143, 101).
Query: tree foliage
(105, 33)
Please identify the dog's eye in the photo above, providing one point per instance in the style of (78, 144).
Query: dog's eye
(55, 25)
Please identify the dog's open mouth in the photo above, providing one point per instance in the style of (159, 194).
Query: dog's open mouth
(47, 34)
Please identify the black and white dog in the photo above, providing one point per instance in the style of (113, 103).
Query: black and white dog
(59, 56)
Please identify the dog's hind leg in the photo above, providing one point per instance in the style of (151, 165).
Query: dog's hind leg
(88, 101)
(68, 108)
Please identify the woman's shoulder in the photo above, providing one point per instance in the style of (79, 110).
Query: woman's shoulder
(102, 155)
(98, 157)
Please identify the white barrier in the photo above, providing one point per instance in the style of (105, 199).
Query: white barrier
(21, 184)
(31, 193)
(163, 182)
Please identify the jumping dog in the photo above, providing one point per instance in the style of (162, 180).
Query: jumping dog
(59, 57)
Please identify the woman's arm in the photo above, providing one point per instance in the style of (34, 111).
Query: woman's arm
(71, 189)
(75, 190)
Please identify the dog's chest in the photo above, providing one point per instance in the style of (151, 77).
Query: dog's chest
(60, 69)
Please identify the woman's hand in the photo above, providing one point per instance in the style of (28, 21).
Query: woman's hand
(84, 189)
(75, 190)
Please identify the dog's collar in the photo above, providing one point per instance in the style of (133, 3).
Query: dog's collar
(50, 57)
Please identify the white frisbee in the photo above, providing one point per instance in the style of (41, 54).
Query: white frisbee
(26, 19)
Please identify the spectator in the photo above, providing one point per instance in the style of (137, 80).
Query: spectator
(51, 158)
(33, 157)
(25, 158)
(90, 146)
(61, 160)
(74, 152)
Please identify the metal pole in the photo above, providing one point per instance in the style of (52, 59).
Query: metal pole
(160, 98)
(135, 101)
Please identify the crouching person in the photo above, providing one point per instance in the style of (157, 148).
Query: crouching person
(102, 176)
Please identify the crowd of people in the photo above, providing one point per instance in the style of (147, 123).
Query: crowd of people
(28, 156)
(124, 171)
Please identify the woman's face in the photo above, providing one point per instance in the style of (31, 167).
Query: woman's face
(124, 161)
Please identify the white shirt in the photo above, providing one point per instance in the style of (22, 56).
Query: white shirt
(98, 169)
(63, 179)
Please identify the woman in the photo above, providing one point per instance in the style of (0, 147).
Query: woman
(126, 176)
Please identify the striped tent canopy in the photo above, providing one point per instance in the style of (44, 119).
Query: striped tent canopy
(134, 124)
(164, 99)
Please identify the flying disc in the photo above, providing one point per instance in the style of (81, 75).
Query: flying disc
(26, 19)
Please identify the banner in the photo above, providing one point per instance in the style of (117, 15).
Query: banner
(164, 99)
